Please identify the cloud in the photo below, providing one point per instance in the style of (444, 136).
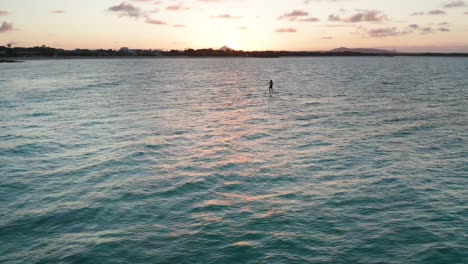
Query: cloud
(384, 32)
(427, 30)
(155, 22)
(226, 16)
(334, 18)
(309, 19)
(292, 16)
(177, 8)
(393, 31)
(3, 13)
(338, 25)
(454, 4)
(367, 16)
(125, 9)
(436, 12)
(327, 38)
(6, 27)
(285, 30)
(57, 12)
(432, 12)
(298, 15)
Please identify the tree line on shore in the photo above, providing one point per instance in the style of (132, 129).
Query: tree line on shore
(44, 51)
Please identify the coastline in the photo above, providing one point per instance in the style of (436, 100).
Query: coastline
(8, 60)
(22, 59)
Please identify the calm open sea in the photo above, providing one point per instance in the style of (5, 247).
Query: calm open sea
(353, 160)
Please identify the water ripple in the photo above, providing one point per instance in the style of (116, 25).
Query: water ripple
(191, 161)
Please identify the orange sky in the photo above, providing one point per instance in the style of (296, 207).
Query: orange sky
(416, 25)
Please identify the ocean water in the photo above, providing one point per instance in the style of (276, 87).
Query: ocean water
(352, 160)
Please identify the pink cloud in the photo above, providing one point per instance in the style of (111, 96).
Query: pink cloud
(155, 22)
(436, 12)
(57, 12)
(292, 16)
(177, 8)
(298, 15)
(455, 4)
(6, 27)
(367, 16)
(285, 30)
(384, 32)
(334, 18)
(309, 19)
(226, 16)
(125, 9)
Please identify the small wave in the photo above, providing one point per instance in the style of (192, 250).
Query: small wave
(39, 114)
(7, 104)
(270, 214)
(186, 188)
(412, 130)
(391, 83)
(256, 136)
(254, 198)
(33, 149)
(244, 244)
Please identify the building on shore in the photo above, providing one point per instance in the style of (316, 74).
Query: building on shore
(127, 52)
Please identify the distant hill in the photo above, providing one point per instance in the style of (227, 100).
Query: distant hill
(366, 51)
(225, 48)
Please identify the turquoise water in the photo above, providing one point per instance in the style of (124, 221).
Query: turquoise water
(353, 160)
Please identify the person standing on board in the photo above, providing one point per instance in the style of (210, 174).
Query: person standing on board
(271, 87)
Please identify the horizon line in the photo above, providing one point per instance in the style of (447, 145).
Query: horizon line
(225, 48)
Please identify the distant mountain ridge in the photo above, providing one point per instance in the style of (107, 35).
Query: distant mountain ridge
(366, 51)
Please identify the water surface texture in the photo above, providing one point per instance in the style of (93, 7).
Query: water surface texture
(353, 160)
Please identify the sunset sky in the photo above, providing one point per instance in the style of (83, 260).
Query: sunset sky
(405, 25)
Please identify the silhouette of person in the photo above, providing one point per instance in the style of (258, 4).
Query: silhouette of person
(271, 87)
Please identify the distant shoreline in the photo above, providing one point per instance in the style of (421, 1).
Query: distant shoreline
(44, 52)
(20, 59)
(9, 61)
